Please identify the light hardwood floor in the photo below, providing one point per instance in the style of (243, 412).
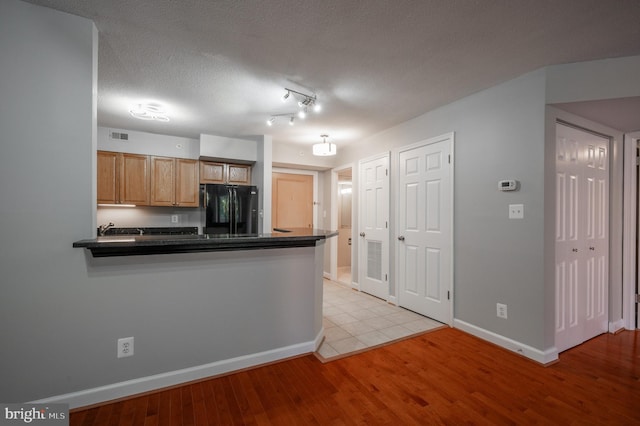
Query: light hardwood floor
(442, 377)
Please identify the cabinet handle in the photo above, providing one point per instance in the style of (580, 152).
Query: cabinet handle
(401, 238)
(592, 248)
(575, 250)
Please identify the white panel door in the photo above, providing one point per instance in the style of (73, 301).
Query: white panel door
(425, 229)
(374, 226)
(582, 236)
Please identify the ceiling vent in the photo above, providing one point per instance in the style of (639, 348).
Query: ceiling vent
(120, 136)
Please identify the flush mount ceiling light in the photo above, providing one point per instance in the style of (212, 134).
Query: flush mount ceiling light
(325, 148)
(148, 112)
(306, 103)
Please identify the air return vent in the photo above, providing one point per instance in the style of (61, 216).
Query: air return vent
(120, 136)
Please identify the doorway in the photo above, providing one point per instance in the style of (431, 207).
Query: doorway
(292, 204)
(425, 228)
(582, 235)
(345, 203)
(373, 223)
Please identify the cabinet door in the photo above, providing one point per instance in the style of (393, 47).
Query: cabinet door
(239, 174)
(187, 188)
(211, 172)
(134, 179)
(107, 177)
(163, 181)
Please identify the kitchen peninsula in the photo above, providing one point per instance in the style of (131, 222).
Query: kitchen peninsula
(205, 305)
(129, 245)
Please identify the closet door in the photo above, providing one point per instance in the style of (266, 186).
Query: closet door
(582, 236)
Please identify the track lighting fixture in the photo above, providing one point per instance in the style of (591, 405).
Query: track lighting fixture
(325, 148)
(291, 120)
(305, 102)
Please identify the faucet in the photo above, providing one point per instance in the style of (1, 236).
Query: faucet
(104, 228)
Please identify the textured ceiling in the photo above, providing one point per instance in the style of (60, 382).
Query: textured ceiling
(221, 67)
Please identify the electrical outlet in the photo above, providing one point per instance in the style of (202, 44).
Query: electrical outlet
(174, 218)
(501, 309)
(516, 211)
(125, 347)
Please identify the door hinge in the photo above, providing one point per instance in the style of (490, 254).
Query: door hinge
(386, 172)
(637, 298)
(385, 277)
(448, 295)
(449, 158)
(386, 224)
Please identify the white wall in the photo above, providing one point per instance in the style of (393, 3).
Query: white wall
(148, 144)
(228, 148)
(47, 117)
(61, 310)
(499, 134)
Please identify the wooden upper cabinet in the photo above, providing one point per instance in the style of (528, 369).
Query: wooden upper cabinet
(174, 182)
(212, 172)
(122, 178)
(187, 183)
(134, 179)
(163, 181)
(236, 174)
(108, 191)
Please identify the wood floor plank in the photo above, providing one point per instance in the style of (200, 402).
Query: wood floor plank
(442, 377)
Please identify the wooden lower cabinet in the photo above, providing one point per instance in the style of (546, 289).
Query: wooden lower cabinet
(174, 182)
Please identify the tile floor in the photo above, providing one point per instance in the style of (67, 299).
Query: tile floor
(355, 321)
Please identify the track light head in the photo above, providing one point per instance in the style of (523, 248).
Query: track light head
(291, 120)
(270, 121)
(286, 96)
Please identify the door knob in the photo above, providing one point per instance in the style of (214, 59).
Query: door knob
(401, 238)
(362, 234)
(592, 248)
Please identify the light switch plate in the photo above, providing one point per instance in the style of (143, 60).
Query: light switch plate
(516, 211)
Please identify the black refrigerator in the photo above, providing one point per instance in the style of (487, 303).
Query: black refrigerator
(230, 209)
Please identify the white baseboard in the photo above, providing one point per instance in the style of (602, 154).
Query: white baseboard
(616, 326)
(543, 357)
(158, 381)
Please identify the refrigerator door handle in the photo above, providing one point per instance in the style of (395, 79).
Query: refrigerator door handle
(235, 207)
(231, 210)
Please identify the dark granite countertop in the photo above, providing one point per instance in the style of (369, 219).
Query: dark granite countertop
(130, 245)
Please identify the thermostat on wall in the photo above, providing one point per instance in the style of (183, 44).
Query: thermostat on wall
(508, 185)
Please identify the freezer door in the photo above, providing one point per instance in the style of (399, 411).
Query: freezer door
(218, 209)
(245, 208)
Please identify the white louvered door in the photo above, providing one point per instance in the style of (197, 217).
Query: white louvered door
(373, 226)
(582, 236)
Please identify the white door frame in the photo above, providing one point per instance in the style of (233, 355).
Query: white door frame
(630, 255)
(333, 224)
(396, 177)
